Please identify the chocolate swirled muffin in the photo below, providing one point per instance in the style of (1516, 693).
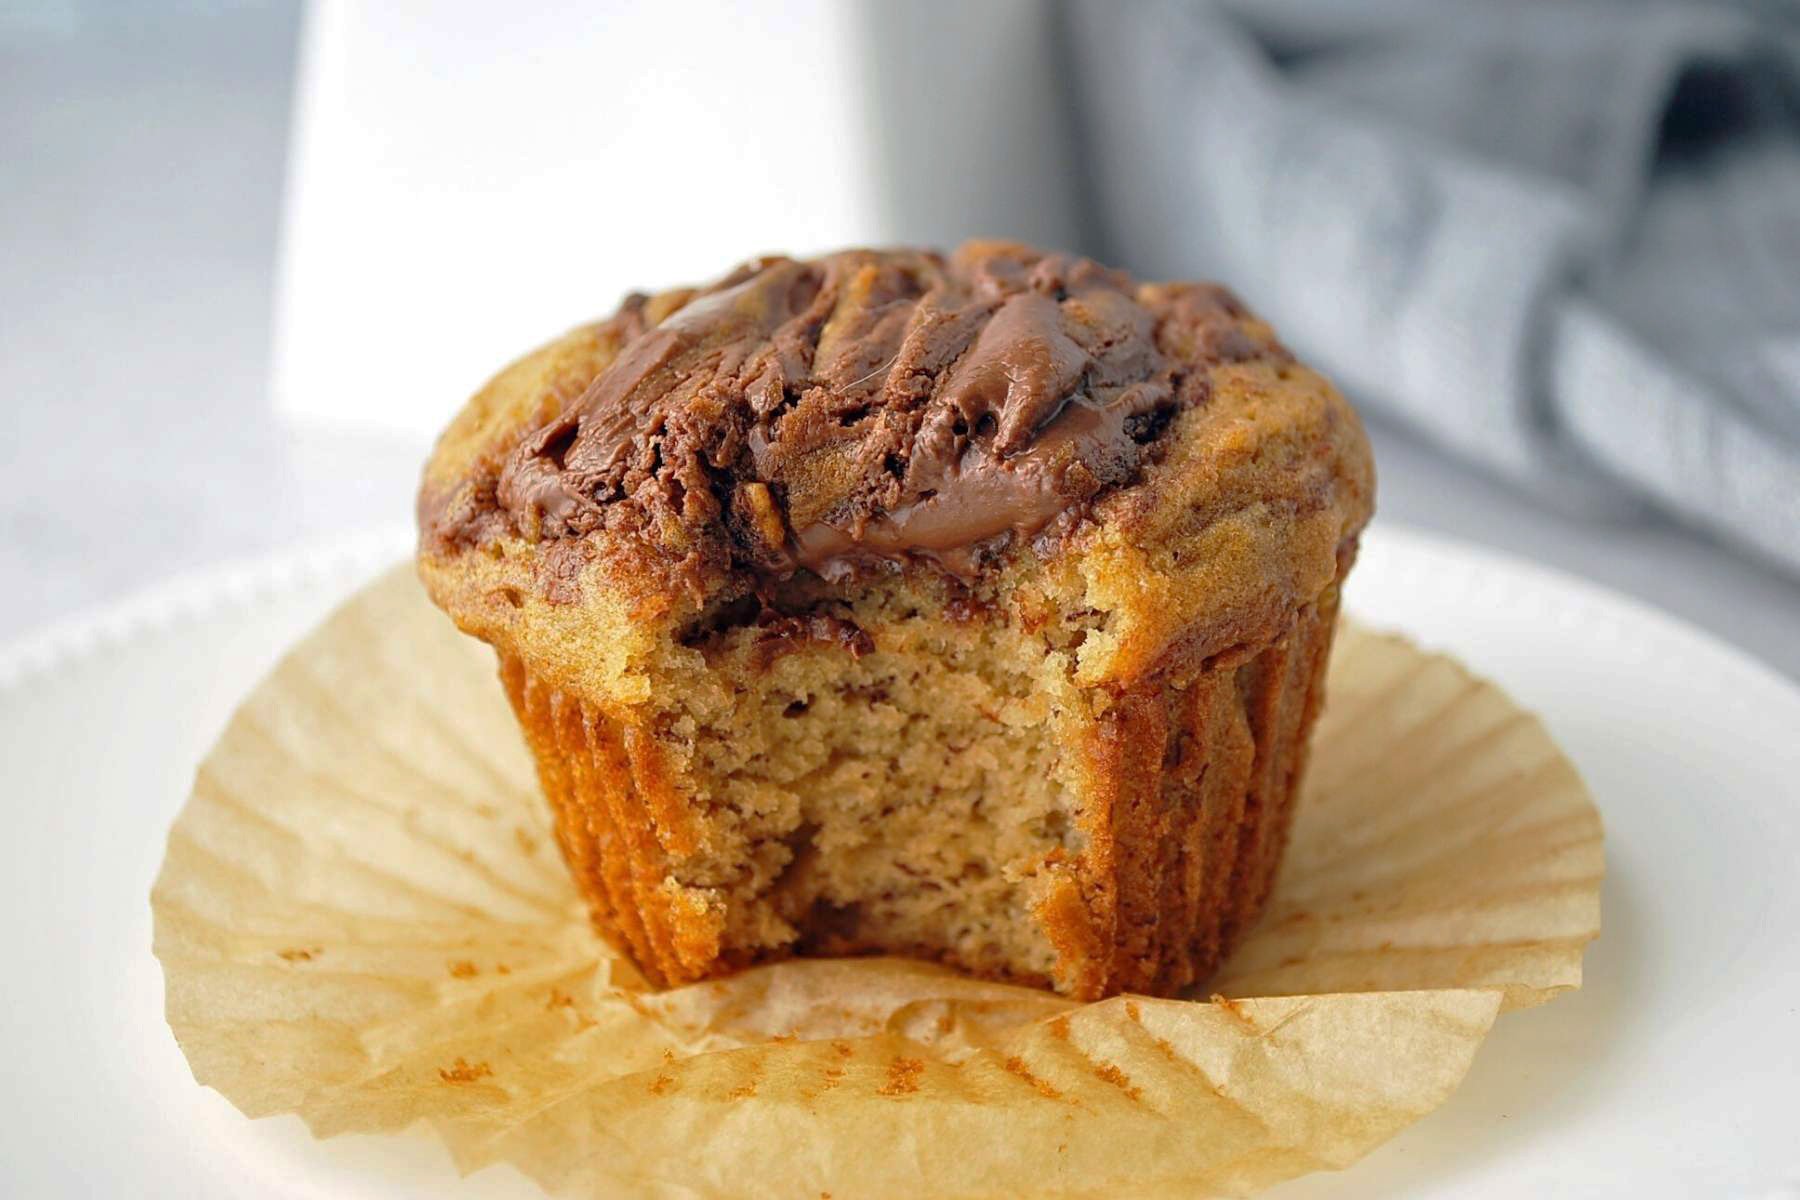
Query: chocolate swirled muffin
(973, 608)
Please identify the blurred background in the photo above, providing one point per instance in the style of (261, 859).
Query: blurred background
(253, 255)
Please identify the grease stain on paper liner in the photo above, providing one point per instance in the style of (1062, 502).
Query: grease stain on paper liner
(362, 919)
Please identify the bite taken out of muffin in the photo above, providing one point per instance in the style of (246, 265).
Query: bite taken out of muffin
(973, 608)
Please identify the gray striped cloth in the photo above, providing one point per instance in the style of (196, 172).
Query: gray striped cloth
(1561, 238)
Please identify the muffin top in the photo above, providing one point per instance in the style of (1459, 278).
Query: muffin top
(1031, 431)
(865, 409)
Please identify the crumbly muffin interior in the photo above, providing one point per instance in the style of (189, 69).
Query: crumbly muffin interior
(877, 777)
(971, 607)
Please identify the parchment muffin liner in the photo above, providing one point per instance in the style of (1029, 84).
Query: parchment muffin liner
(363, 919)
(1225, 803)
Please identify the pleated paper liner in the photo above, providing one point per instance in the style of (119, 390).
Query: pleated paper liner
(362, 919)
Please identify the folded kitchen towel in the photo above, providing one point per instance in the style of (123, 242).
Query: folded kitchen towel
(1562, 238)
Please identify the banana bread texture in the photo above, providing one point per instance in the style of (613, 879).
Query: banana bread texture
(973, 608)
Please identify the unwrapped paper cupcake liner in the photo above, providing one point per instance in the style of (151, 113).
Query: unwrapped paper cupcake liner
(363, 919)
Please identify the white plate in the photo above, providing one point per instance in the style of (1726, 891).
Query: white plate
(1672, 1073)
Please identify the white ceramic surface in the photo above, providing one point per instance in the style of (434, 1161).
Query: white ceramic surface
(1670, 1074)
(422, 124)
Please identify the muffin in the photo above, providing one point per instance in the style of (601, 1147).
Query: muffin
(973, 608)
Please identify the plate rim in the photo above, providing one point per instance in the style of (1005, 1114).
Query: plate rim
(236, 584)
(194, 596)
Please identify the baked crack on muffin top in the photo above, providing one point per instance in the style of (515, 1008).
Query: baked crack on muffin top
(863, 411)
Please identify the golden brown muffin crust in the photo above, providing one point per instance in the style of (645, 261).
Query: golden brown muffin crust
(864, 409)
(971, 607)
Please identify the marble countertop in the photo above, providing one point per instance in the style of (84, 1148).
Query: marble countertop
(138, 228)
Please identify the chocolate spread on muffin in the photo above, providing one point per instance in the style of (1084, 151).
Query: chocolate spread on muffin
(870, 409)
(974, 608)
